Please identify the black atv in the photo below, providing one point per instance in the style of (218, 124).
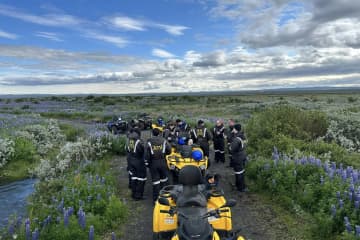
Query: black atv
(117, 125)
(143, 122)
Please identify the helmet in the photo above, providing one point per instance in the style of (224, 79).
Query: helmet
(160, 121)
(181, 141)
(197, 155)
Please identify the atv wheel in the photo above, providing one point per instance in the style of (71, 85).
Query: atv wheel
(114, 130)
(156, 236)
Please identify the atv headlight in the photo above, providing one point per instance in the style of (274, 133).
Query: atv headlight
(202, 167)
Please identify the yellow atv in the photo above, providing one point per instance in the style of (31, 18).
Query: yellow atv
(185, 155)
(188, 211)
(160, 127)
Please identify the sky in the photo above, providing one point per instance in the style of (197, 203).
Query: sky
(165, 46)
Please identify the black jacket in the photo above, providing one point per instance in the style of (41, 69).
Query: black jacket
(156, 149)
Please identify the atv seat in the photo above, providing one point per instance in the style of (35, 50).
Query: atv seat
(191, 195)
(184, 150)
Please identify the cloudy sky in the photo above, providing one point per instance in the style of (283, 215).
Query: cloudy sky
(132, 46)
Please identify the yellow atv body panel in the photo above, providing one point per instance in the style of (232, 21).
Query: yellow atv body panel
(164, 222)
(175, 161)
(154, 125)
(215, 237)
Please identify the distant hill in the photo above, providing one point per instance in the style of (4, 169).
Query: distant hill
(311, 90)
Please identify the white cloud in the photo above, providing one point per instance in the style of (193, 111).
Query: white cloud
(116, 40)
(49, 35)
(132, 24)
(127, 23)
(173, 29)
(46, 20)
(162, 53)
(8, 35)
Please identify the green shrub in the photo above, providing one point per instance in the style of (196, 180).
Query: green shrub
(71, 133)
(283, 124)
(25, 151)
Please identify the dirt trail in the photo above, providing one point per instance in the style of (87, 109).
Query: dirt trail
(255, 218)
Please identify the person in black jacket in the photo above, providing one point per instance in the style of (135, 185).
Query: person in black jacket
(219, 142)
(170, 132)
(229, 137)
(155, 151)
(237, 149)
(136, 165)
(201, 136)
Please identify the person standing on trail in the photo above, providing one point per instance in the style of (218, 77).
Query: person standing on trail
(237, 149)
(136, 165)
(219, 142)
(170, 133)
(155, 151)
(201, 136)
(229, 137)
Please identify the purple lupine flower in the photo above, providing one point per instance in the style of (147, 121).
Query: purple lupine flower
(70, 211)
(102, 180)
(333, 210)
(348, 227)
(35, 234)
(91, 233)
(357, 197)
(352, 188)
(346, 219)
(66, 218)
(81, 218)
(61, 205)
(27, 230)
(333, 165)
(341, 203)
(113, 236)
(11, 229)
(344, 175)
(97, 178)
(355, 176)
(357, 204)
(19, 221)
(357, 230)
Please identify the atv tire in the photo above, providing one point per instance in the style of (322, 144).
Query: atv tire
(156, 236)
(114, 130)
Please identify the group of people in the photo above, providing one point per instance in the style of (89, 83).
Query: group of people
(152, 152)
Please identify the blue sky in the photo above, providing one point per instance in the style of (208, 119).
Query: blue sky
(85, 46)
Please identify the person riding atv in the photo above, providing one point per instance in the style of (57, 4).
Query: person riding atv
(187, 211)
(160, 124)
(185, 153)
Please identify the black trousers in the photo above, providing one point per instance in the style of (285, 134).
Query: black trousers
(238, 166)
(219, 149)
(137, 174)
(159, 177)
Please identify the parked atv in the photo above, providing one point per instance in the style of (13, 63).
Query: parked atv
(145, 121)
(184, 155)
(117, 125)
(190, 211)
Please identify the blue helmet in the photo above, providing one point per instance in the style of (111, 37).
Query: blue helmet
(160, 121)
(181, 141)
(197, 155)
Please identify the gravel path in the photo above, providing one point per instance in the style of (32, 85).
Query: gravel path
(255, 218)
